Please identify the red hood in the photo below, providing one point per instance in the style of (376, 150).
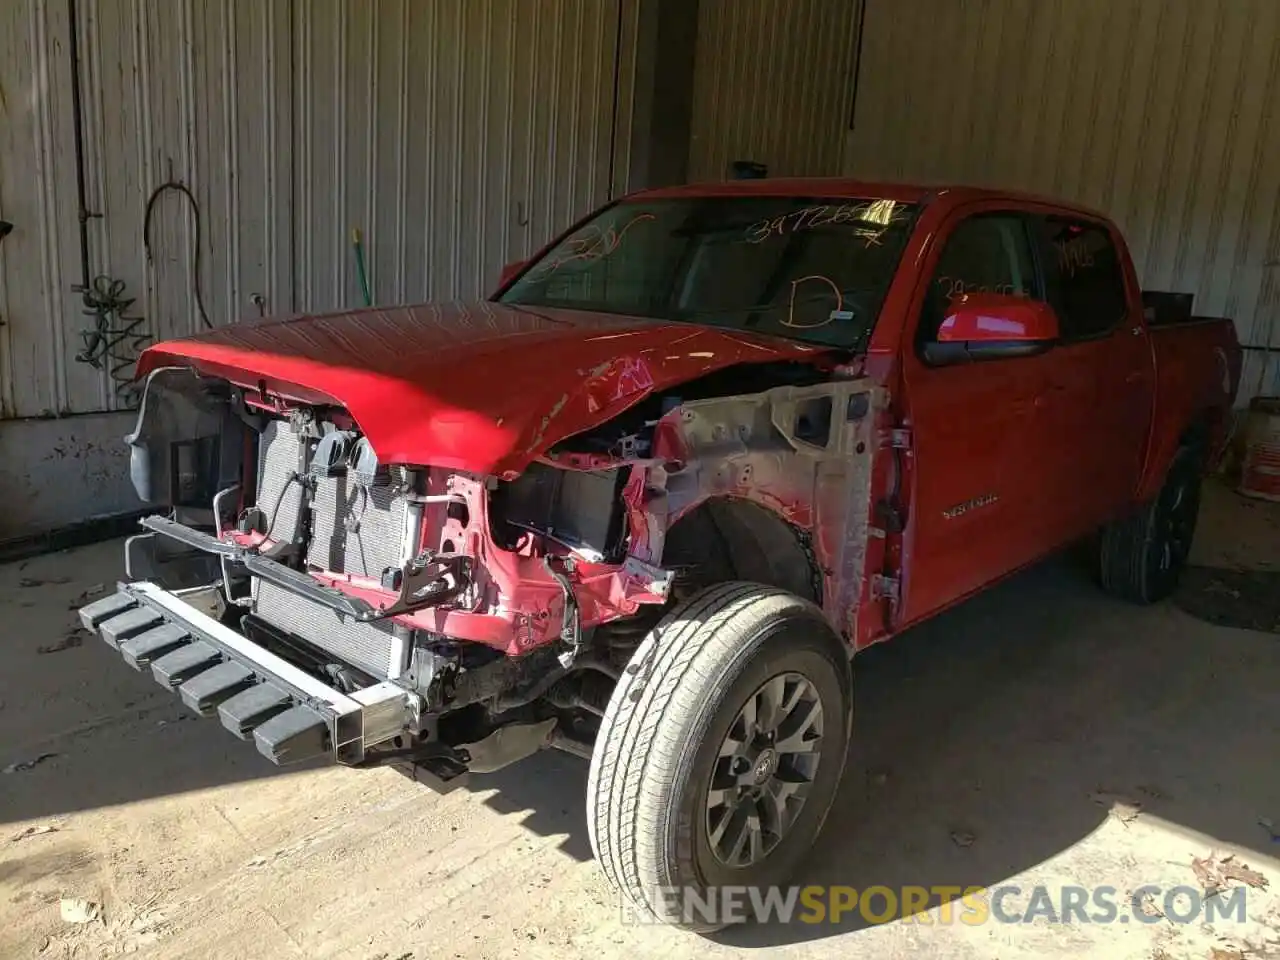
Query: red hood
(482, 387)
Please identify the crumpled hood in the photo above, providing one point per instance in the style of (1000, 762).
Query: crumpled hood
(482, 387)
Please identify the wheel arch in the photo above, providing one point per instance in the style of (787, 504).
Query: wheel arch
(727, 538)
(1204, 431)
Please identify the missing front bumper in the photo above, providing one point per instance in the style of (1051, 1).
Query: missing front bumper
(290, 715)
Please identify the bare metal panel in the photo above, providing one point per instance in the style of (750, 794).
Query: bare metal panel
(1164, 115)
(190, 91)
(195, 92)
(772, 84)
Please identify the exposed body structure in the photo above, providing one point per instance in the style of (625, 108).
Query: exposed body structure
(646, 502)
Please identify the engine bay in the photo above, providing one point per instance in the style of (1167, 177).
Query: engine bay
(414, 553)
(495, 601)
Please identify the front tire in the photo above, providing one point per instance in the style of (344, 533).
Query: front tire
(1142, 556)
(720, 752)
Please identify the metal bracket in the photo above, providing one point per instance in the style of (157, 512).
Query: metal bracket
(192, 538)
(898, 438)
(883, 587)
(427, 581)
(571, 627)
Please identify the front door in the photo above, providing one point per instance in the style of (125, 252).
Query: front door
(977, 505)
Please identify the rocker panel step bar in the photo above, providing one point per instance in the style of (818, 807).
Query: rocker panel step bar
(289, 715)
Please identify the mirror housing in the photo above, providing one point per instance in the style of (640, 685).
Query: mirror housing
(509, 272)
(985, 326)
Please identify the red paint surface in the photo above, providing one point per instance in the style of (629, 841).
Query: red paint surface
(479, 387)
(987, 317)
(1064, 440)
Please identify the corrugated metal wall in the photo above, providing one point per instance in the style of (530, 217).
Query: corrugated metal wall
(772, 84)
(38, 259)
(1163, 113)
(193, 91)
(189, 91)
(455, 135)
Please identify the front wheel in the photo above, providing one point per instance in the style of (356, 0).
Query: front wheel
(1142, 556)
(720, 752)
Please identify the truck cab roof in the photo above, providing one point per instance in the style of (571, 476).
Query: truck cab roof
(952, 194)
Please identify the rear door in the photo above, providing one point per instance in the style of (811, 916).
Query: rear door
(1102, 377)
(980, 471)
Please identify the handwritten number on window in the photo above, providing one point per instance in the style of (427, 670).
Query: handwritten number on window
(821, 215)
(952, 287)
(592, 242)
(1074, 255)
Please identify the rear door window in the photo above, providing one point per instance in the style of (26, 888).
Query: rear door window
(1084, 281)
(988, 253)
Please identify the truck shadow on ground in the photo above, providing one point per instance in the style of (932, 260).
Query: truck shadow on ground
(996, 736)
(1000, 734)
(548, 790)
(981, 740)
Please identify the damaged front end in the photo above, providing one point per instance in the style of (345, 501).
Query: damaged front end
(323, 603)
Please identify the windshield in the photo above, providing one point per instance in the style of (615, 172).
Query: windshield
(805, 268)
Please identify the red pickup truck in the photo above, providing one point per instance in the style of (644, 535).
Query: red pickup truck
(646, 502)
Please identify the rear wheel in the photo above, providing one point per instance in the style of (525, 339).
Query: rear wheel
(1142, 555)
(720, 752)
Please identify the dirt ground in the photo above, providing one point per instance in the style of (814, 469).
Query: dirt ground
(1040, 734)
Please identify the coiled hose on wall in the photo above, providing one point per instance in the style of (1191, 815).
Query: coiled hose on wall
(115, 341)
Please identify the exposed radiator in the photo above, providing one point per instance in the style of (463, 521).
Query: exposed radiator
(371, 647)
(278, 496)
(354, 530)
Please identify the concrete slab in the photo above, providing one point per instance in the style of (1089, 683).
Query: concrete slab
(1008, 743)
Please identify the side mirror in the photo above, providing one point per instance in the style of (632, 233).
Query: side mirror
(509, 272)
(985, 326)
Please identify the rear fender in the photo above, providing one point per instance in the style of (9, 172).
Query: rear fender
(1197, 380)
(1205, 430)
